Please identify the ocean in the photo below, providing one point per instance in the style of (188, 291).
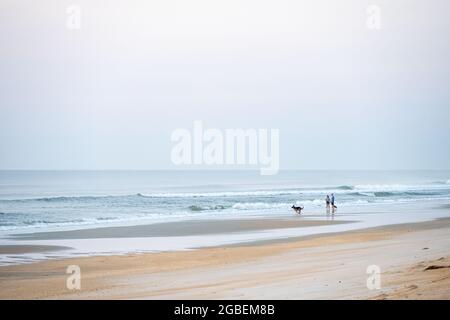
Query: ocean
(33, 201)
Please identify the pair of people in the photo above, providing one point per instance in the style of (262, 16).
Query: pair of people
(330, 202)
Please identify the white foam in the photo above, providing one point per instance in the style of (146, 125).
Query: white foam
(397, 187)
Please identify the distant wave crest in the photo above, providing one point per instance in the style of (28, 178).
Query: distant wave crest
(319, 192)
(205, 208)
(345, 188)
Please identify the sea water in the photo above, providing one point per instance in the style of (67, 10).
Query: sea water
(46, 200)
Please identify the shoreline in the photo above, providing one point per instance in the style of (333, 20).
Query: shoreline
(20, 248)
(201, 273)
(39, 246)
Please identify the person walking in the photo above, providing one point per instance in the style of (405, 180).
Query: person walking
(328, 201)
(333, 206)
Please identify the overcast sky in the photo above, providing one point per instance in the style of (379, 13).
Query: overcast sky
(108, 96)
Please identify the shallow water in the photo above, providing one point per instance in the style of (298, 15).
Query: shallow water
(47, 200)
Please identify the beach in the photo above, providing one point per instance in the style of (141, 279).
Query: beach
(224, 150)
(414, 260)
(217, 235)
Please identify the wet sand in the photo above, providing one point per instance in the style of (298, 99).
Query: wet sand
(182, 228)
(414, 260)
(19, 249)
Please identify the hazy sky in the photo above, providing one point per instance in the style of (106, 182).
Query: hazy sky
(108, 96)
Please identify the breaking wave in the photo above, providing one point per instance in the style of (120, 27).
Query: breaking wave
(205, 208)
(100, 209)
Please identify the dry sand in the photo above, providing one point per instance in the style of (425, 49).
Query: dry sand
(414, 260)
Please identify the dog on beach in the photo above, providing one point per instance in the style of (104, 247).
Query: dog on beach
(298, 209)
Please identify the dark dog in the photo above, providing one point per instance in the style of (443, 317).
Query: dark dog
(298, 209)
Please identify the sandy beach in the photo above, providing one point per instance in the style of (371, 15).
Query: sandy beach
(414, 260)
(224, 150)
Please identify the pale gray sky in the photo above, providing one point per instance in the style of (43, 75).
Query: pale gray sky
(108, 96)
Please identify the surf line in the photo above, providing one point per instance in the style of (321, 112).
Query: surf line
(227, 147)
